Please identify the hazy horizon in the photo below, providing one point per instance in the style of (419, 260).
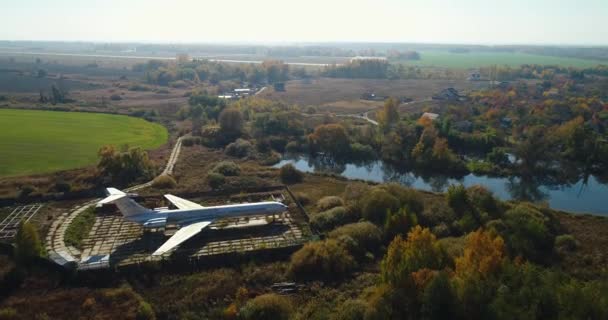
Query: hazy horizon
(468, 22)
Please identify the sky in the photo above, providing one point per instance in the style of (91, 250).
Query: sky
(559, 22)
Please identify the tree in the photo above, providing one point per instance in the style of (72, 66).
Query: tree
(438, 299)
(27, 243)
(389, 115)
(483, 255)
(376, 205)
(124, 166)
(196, 112)
(398, 223)
(330, 138)
(405, 256)
(231, 122)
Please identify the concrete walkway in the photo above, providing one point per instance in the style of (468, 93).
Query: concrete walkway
(64, 255)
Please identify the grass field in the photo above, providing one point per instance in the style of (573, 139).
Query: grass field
(480, 59)
(45, 141)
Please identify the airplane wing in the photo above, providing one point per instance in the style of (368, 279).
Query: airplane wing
(180, 236)
(182, 203)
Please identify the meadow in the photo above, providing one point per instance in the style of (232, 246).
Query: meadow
(474, 59)
(33, 141)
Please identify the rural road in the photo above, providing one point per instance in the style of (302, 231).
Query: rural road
(58, 251)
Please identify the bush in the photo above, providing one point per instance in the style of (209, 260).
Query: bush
(145, 312)
(351, 309)
(528, 233)
(8, 314)
(321, 260)
(27, 243)
(227, 168)
(277, 143)
(289, 174)
(115, 97)
(267, 307)
(409, 198)
(215, 180)
(484, 200)
(164, 181)
(367, 236)
(329, 219)
(190, 141)
(240, 148)
(458, 199)
(329, 202)
(376, 204)
(62, 186)
(302, 198)
(565, 242)
(437, 212)
(25, 191)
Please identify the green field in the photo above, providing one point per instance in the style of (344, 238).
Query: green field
(480, 59)
(45, 141)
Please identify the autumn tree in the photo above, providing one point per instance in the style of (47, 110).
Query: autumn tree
(330, 138)
(124, 166)
(389, 115)
(404, 256)
(483, 255)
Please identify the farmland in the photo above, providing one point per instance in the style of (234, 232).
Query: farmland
(45, 141)
(480, 59)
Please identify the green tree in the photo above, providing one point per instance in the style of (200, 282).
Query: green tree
(267, 307)
(27, 243)
(231, 122)
(438, 299)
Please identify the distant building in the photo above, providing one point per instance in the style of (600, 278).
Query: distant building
(449, 94)
(367, 58)
(430, 115)
(474, 76)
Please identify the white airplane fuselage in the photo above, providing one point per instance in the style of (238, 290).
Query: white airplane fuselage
(159, 219)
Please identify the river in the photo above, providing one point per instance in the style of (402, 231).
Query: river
(581, 197)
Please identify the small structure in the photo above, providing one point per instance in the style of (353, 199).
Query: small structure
(430, 115)
(241, 92)
(449, 94)
(474, 76)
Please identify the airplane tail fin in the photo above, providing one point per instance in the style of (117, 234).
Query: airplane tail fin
(127, 206)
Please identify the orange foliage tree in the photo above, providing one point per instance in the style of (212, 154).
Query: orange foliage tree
(483, 255)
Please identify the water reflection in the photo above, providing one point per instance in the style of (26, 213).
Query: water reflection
(564, 189)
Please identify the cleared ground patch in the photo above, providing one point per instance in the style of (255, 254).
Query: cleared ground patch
(33, 141)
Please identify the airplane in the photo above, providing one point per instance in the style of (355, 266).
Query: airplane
(190, 217)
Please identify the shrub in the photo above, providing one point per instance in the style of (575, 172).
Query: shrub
(215, 180)
(351, 309)
(190, 141)
(437, 212)
(164, 181)
(409, 198)
(329, 219)
(329, 202)
(240, 148)
(25, 191)
(27, 243)
(115, 97)
(231, 121)
(302, 198)
(321, 260)
(62, 186)
(398, 223)
(366, 235)
(277, 143)
(8, 314)
(376, 204)
(528, 233)
(458, 199)
(145, 312)
(289, 174)
(565, 242)
(267, 307)
(483, 199)
(227, 168)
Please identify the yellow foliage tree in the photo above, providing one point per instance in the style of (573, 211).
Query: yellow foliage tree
(483, 255)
